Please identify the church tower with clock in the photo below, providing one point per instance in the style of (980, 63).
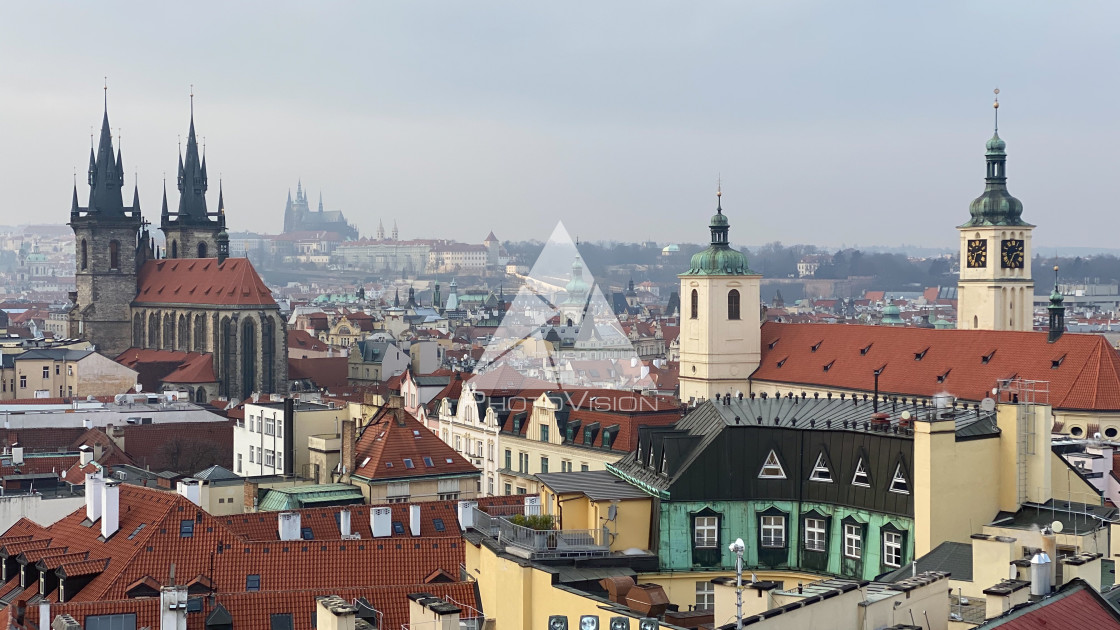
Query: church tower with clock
(995, 290)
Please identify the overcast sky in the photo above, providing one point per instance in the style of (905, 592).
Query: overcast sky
(831, 122)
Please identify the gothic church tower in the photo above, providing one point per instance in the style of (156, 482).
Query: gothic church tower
(720, 338)
(995, 290)
(192, 231)
(110, 245)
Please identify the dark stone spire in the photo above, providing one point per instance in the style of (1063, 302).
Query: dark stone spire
(105, 177)
(74, 209)
(320, 201)
(221, 206)
(397, 298)
(192, 183)
(136, 198)
(996, 206)
(165, 215)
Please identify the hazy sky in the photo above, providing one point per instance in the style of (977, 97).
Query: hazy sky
(831, 122)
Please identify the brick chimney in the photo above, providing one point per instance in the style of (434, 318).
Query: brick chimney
(250, 496)
(381, 522)
(349, 443)
(426, 611)
(17, 454)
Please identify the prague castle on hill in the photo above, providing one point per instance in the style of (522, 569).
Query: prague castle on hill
(193, 302)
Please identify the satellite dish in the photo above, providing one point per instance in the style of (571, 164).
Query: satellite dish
(1057, 527)
(905, 415)
(988, 404)
(612, 512)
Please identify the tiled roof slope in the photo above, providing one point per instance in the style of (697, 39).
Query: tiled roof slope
(234, 282)
(394, 435)
(302, 340)
(225, 557)
(1083, 370)
(325, 372)
(168, 366)
(1076, 605)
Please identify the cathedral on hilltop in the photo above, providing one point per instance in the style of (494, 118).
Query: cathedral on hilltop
(194, 308)
(298, 217)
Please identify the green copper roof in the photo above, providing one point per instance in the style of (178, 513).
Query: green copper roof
(996, 206)
(719, 259)
(296, 497)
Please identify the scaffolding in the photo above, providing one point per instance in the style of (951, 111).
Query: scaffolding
(1026, 395)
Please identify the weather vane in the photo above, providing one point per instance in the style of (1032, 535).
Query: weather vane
(995, 106)
(719, 184)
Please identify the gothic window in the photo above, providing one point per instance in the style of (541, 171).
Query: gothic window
(153, 331)
(137, 331)
(200, 395)
(202, 250)
(174, 249)
(169, 331)
(85, 255)
(227, 338)
(183, 331)
(695, 304)
(199, 333)
(114, 254)
(733, 304)
(268, 354)
(248, 358)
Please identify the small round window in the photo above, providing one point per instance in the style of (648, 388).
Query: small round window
(1076, 431)
(1110, 432)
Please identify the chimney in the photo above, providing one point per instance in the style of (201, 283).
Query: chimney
(110, 508)
(466, 514)
(414, 519)
(87, 423)
(344, 523)
(250, 504)
(381, 521)
(427, 611)
(349, 457)
(85, 455)
(65, 622)
(45, 614)
(333, 613)
(173, 608)
(94, 487)
(117, 435)
(289, 524)
(191, 489)
(17, 454)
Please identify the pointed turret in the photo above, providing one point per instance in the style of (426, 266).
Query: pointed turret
(74, 208)
(394, 229)
(996, 206)
(299, 190)
(397, 298)
(105, 196)
(320, 201)
(1057, 312)
(165, 215)
(192, 183)
(221, 207)
(380, 230)
(136, 198)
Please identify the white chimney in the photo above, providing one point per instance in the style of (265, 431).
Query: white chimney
(85, 455)
(192, 490)
(94, 487)
(289, 524)
(381, 522)
(87, 423)
(110, 508)
(414, 519)
(17, 454)
(1040, 574)
(466, 514)
(45, 615)
(173, 608)
(532, 505)
(344, 523)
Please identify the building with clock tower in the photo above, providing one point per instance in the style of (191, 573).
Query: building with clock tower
(995, 290)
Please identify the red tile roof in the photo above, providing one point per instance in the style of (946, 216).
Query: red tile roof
(326, 372)
(1083, 370)
(202, 281)
(394, 435)
(1076, 605)
(166, 366)
(302, 340)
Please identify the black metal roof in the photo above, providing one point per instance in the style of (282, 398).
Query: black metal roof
(597, 485)
(954, 558)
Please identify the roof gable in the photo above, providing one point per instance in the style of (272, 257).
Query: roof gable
(233, 282)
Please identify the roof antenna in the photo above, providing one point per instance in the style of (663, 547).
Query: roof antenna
(995, 106)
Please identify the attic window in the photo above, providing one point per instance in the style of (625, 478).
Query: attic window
(415, 433)
(398, 527)
(814, 347)
(861, 478)
(450, 461)
(388, 464)
(194, 605)
(774, 343)
(918, 356)
(306, 533)
(364, 462)
(253, 582)
(820, 470)
(1056, 363)
(899, 483)
(987, 357)
(186, 528)
(772, 468)
(137, 530)
(782, 362)
(941, 377)
(408, 463)
(428, 461)
(438, 524)
(865, 349)
(828, 366)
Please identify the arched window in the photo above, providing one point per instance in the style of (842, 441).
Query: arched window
(202, 250)
(975, 321)
(695, 304)
(85, 255)
(114, 255)
(733, 304)
(174, 249)
(200, 395)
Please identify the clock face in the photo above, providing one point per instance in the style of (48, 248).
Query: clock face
(1012, 254)
(977, 253)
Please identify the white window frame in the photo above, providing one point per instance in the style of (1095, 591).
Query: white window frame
(821, 471)
(860, 477)
(705, 595)
(768, 467)
(899, 478)
(269, 426)
(705, 532)
(853, 541)
(816, 534)
(773, 531)
(892, 549)
(251, 455)
(269, 458)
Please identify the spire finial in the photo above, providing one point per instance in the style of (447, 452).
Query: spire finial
(192, 102)
(995, 106)
(1055, 277)
(106, 89)
(719, 193)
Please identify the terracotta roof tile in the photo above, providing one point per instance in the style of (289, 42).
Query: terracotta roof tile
(325, 372)
(393, 436)
(234, 282)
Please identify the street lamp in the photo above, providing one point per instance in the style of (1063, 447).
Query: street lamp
(737, 548)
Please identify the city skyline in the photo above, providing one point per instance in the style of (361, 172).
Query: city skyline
(619, 123)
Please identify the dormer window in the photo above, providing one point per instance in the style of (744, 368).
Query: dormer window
(861, 478)
(253, 582)
(828, 366)
(821, 471)
(987, 357)
(898, 482)
(918, 356)
(772, 468)
(864, 350)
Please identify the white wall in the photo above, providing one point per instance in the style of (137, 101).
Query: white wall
(43, 511)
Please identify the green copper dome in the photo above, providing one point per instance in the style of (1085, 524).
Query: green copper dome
(719, 259)
(996, 206)
(995, 144)
(577, 289)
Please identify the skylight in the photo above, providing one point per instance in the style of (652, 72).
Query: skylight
(861, 478)
(772, 468)
(408, 463)
(427, 461)
(364, 462)
(450, 461)
(438, 523)
(820, 470)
